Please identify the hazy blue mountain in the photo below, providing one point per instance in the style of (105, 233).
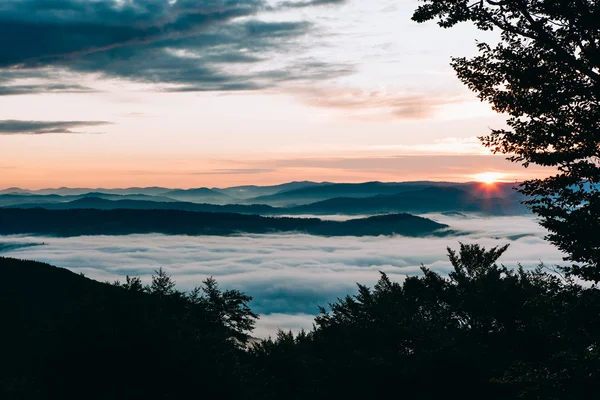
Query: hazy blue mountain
(284, 195)
(107, 204)
(478, 189)
(142, 197)
(65, 191)
(14, 190)
(200, 195)
(251, 191)
(123, 222)
(431, 199)
(312, 194)
(41, 200)
(14, 199)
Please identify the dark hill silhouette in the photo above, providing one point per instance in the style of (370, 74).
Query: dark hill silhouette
(430, 199)
(122, 222)
(483, 331)
(64, 334)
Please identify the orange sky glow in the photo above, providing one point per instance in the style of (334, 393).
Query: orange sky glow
(340, 102)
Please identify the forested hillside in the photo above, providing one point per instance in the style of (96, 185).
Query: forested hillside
(486, 331)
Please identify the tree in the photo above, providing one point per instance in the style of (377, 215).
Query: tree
(229, 306)
(133, 284)
(545, 75)
(484, 332)
(162, 284)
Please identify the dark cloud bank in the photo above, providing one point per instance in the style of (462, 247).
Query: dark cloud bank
(185, 43)
(17, 127)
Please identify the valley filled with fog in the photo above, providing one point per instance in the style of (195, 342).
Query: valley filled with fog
(289, 275)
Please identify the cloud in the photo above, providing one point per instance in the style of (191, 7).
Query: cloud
(236, 171)
(269, 324)
(17, 127)
(42, 32)
(12, 90)
(135, 115)
(428, 162)
(286, 274)
(187, 45)
(377, 105)
(311, 3)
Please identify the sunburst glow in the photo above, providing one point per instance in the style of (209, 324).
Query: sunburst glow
(488, 178)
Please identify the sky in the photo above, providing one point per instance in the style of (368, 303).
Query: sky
(191, 93)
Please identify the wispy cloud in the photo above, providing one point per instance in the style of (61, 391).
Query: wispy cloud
(310, 3)
(423, 162)
(377, 105)
(13, 89)
(18, 127)
(236, 171)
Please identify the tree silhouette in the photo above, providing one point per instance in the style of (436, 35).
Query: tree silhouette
(162, 284)
(485, 331)
(545, 75)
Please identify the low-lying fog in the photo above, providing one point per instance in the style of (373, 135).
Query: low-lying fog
(288, 275)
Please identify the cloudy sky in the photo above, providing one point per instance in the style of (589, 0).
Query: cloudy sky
(188, 93)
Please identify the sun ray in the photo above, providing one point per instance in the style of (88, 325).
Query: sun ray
(489, 178)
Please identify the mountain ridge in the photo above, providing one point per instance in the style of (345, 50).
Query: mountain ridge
(78, 222)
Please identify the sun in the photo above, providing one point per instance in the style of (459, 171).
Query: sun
(489, 178)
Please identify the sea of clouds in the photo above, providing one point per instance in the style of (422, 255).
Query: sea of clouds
(289, 275)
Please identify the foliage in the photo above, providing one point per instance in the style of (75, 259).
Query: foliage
(69, 337)
(545, 75)
(486, 331)
(229, 308)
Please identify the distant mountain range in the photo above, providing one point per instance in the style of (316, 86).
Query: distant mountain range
(429, 199)
(174, 222)
(65, 191)
(367, 198)
(252, 191)
(199, 195)
(312, 194)
(105, 204)
(239, 192)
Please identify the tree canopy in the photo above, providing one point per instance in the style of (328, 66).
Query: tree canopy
(544, 74)
(484, 331)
